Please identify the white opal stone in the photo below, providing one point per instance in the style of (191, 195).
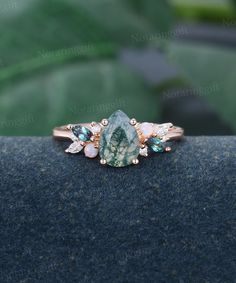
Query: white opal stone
(146, 129)
(90, 151)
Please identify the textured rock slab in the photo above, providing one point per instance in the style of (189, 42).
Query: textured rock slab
(66, 218)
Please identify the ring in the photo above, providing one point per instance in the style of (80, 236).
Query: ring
(118, 140)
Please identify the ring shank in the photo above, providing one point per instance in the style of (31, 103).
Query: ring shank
(174, 133)
(63, 132)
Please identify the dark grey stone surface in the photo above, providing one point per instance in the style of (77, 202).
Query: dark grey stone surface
(67, 219)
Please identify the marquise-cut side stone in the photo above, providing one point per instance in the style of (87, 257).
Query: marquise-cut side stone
(75, 147)
(119, 142)
(82, 133)
(162, 129)
(155, 145)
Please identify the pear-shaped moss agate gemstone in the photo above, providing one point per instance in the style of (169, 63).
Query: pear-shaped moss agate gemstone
(119, 142)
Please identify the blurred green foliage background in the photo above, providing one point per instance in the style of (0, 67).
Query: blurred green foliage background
(59, 60)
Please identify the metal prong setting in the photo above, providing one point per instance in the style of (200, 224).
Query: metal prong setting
(103, 161)
(104, 122)
(133, 122)
(93, 124)
(69, 127)
(135, 161)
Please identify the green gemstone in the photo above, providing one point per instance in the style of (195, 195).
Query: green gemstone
(84, 134)
(119, 142)
(155, 145)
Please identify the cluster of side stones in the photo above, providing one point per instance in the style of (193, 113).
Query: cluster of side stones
(84, 138)
(118, 142)
(153, 134)
(150, 129)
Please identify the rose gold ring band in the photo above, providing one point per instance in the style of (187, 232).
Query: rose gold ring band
(119, 140)
(64, 132)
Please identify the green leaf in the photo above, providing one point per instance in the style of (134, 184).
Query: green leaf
(204, 10)
(123, 19)
(157, 12)
(75, 93)
(30, 28)
(212, 71)
(57, 61)
(45, 27)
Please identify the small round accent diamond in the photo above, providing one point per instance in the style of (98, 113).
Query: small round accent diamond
(143, 151)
